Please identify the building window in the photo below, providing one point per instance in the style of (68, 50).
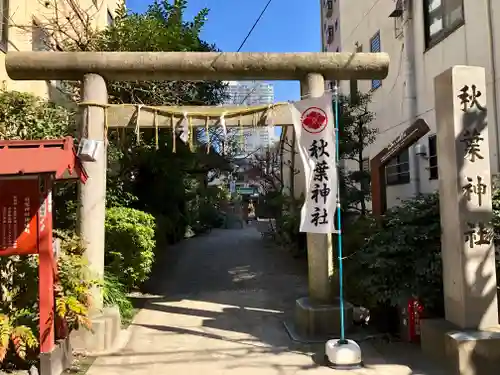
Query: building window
(336, 24)
(441, 18)
(366, 165)
(397, 171)
(4, 26)
(333, 85)
(330, 34)
(433, 159)
(329, 4)
(365, 179)
(375, 47)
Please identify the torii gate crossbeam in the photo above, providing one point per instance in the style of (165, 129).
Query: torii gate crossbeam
(192, 66)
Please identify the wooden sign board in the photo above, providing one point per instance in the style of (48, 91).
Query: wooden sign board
(377, 164)
(19, 210)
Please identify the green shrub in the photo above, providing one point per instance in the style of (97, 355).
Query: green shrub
(288, 223)
(115, 294)
(19, 315)
(130, 245)
(401, 256)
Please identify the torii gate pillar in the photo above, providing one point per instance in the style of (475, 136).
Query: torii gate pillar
(92, 195)
(318, 313)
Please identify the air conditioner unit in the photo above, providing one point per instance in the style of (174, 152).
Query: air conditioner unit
(398, 15)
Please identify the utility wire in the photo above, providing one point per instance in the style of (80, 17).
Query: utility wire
(360, 21)
(263, 11)
(259, 18)
(245, 40)
(242, 44)
(254, 25)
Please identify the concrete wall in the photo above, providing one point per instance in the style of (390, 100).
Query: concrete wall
(467, 45)
(22, 36)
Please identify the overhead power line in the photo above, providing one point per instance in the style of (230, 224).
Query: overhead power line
(254, 25)
(242, 44)
(245, 40)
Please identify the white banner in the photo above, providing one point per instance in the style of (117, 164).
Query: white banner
(315, 134)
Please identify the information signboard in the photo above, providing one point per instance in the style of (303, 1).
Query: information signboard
(19, 204)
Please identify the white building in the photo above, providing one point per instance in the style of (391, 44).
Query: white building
(253, 93)
(28, 25)
(423, 39)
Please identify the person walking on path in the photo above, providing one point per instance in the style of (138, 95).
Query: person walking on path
(251, 211)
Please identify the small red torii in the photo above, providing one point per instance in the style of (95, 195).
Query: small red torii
(28, 170)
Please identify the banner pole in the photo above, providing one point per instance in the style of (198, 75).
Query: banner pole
(342, 354)
(339, 218)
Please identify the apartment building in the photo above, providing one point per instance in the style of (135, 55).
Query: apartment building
(423, 39)
(28, 25)
(253, 93)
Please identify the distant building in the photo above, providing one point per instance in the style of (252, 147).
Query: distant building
(253, 93)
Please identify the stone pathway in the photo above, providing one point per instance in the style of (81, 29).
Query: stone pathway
(226, 296)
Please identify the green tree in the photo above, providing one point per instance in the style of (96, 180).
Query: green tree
(355, 135)
(143, 176)
(160, 179)
(24, 116)
(161, 28)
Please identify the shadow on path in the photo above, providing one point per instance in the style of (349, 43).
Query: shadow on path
(218, 308)
(253, 284)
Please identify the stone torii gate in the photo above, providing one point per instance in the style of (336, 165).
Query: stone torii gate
(95, 68)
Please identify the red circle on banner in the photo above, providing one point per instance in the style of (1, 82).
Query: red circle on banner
(314, 120)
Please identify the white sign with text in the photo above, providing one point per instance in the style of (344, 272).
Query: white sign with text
(315, 134)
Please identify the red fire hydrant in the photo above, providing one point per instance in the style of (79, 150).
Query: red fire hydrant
(410, 319)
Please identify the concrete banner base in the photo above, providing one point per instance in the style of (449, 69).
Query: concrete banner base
(465, 352)
(313, 319)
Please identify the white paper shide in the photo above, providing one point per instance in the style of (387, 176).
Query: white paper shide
(315, 132)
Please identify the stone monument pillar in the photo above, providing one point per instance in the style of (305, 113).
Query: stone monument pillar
(468, 254)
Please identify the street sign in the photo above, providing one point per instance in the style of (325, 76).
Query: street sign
(245, 190)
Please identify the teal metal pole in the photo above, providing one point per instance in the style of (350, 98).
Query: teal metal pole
(339, 219)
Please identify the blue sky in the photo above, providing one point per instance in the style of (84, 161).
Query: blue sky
(287, 26)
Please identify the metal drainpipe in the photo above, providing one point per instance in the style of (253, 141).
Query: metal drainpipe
(494, 78)
(411, 90)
